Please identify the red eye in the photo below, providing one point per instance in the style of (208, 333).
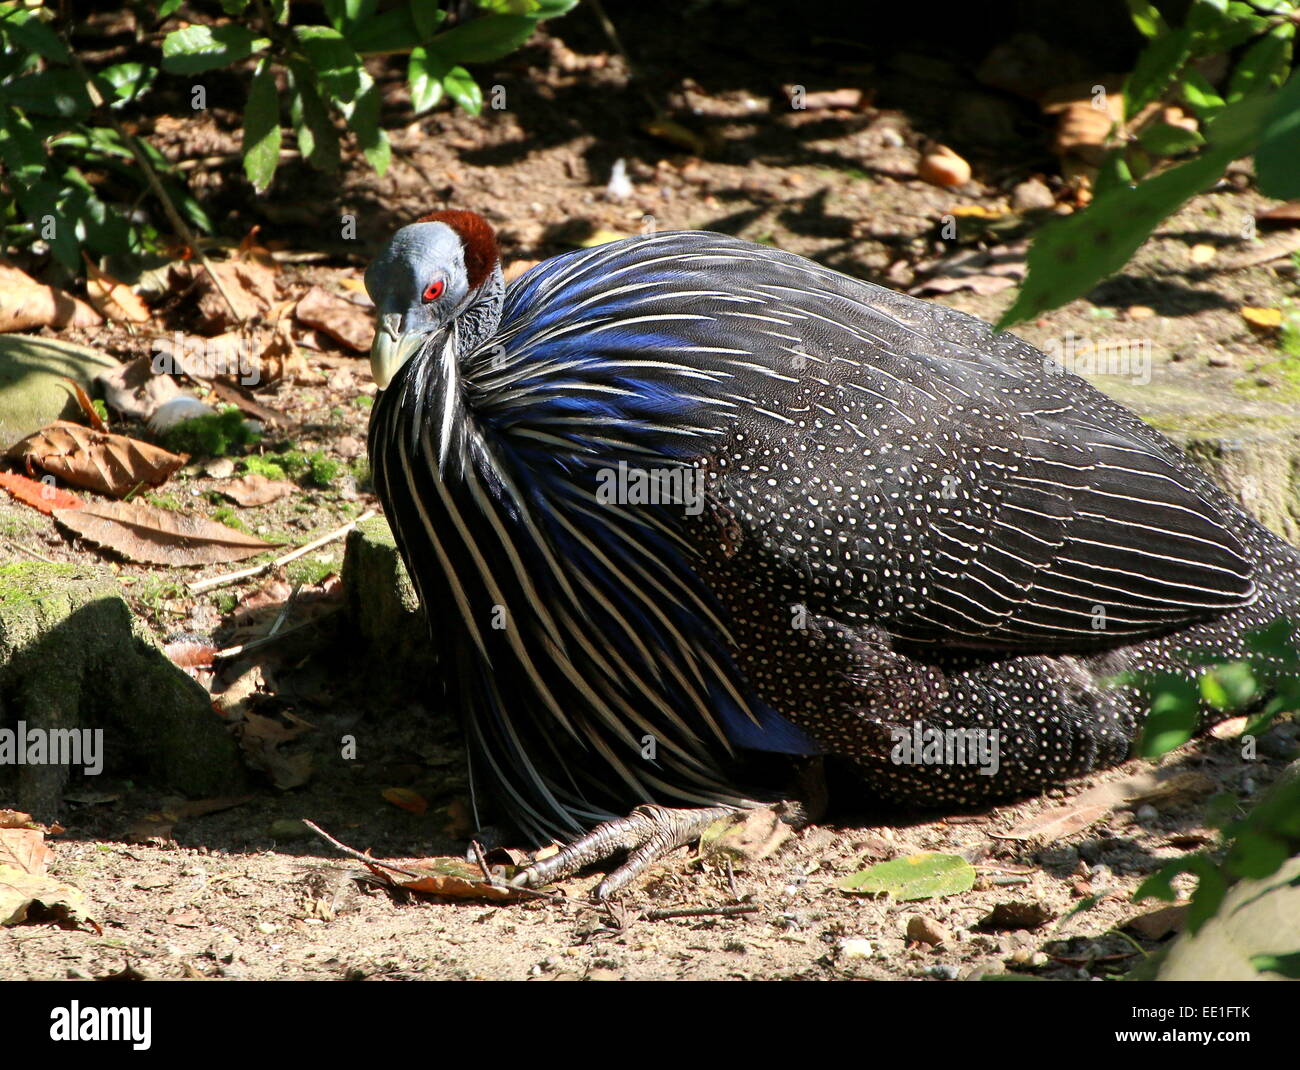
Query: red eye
(434, 290)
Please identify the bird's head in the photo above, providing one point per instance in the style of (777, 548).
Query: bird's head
(428, 275)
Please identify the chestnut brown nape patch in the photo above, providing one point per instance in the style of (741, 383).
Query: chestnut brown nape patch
(477, 237)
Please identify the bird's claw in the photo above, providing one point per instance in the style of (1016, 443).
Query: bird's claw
(646, 834)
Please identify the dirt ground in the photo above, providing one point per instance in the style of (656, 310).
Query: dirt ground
(242, 892)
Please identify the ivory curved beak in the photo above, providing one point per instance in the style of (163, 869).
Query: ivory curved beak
(391, 348)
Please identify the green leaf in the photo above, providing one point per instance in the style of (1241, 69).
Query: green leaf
(1277, 639)
(919, 876)
(25, 29)
(1200, 95)
(338, 68)
(203, 48)
(426, 18)
(551, 9)
(318, 140)
(1146, 17)
(1174, 715)
(424, 74)
(20, 147)
(1210, 890)
(344, 14)
(54, 91)
(168, 8)
(1265, 64)
(483, 39)
(1165, 139)
(1070, 256)
(262, 129)
(1277, 160)
(1256, 854)
(391, 32)
(129, 81)
(1156, 67)
(363, 118)
(1229, 687)
(462, 88)
(1288, 965)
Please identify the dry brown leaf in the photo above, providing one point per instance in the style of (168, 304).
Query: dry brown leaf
(45, 497)
(345, 322)
(25, 849)
(256, 489)
(445, 876)
(136, 390)
(1262, 319)
(111, 464)
(406, 799)
(152, 536)
(1159, 923)
(1081, 811)
(113, 298)
(26, 303)
(15, 819)
(252, 290)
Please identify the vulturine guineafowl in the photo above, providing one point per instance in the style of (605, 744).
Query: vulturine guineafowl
(678, 500)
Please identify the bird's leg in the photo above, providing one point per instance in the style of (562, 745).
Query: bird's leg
(646, 834)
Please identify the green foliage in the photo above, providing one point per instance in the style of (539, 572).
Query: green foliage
(50, 138)
(1265, 684)
(920, 876)
(228, 515)
(263, 466)
(314, 469)
(1271, 668)
(326, 72)
(54, 129)
(215, 435)
(1256, 111)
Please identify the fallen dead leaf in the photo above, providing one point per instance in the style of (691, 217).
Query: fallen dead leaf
(256, 489)
(1159, 923)
(1262, 319)
(136, 389)
(113, 298)
(1083, 810)
(26, 303)
(97, 460)
(345, 322)
(153, 536)
(250, 284)
(45, 497)
(15, 819)
(406, 799)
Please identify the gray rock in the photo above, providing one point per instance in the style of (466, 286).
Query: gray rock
(33, 382)
(72, 658)
(386, 626)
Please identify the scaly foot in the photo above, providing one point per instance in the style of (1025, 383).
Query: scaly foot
(646, 834)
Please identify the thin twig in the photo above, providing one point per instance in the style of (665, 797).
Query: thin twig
(352, 852)
(272, 637)
(151, 176)
(702, 912)
(27, 550)
(284, 559)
